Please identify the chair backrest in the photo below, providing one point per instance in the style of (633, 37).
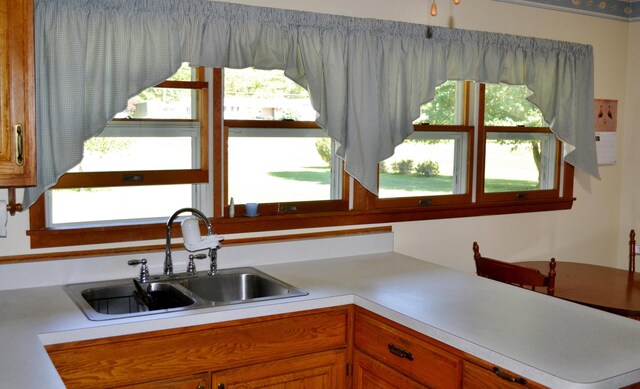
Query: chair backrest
(514, 274)
(632, 251)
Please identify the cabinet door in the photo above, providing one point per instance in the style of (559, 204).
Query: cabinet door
(325, 370)
(371, 374)
(200, 381)
(17, 117)
(218, 346)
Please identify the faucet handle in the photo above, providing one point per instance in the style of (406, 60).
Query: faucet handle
(144, 270)
(191, 266)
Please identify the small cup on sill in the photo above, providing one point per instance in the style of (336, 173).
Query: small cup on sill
(251, 209)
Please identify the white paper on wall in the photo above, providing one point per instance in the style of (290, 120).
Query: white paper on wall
(606, 147)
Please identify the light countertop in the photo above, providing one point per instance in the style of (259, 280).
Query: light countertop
(551, 341)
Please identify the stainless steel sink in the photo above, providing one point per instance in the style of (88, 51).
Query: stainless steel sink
(240, 285)
(117, 299)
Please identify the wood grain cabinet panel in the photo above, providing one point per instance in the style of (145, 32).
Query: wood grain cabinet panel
(17, 106)
(318, 371)
(200, 381)
(153, 356)
(310, 349)
(369, 373)
(417, 356)
(479, 374)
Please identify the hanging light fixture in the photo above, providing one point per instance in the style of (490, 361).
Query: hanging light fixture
(434, 6)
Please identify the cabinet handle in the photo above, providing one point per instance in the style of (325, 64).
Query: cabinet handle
(200, 386)
(220, 386)
(507, 377)
(19, 145)
(397, 351)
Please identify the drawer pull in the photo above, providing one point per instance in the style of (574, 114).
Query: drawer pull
(397, 351)
(507, 377)
(19, 145)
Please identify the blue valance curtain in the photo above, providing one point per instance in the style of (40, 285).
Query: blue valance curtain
(366, 78)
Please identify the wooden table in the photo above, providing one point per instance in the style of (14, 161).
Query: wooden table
(610, 289)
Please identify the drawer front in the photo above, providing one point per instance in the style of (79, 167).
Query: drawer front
(408, 354)
(368, 373)
(324, 370)
(492, 377)
(200, 381)
(165, 354)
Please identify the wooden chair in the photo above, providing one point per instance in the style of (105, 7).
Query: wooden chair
(632, 251)
(514, 274)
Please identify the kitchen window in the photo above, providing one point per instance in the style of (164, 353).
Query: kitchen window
(154, 151)
(515, 160)
(432, 166)
(132, 160)
(272, 152)
(520, 156)
(275, 154)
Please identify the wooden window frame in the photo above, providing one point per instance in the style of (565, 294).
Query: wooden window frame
(283, 207)
(483, 196)
(429, 201)
(41, 236)
(505, 197)
(363, 206)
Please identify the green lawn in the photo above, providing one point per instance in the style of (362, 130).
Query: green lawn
(319, 177)
(410, 183)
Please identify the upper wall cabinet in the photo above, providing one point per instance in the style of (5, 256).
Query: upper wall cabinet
(17, 107)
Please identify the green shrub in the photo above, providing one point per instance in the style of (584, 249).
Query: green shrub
(323, 145)
(427, 169)
(402, 167)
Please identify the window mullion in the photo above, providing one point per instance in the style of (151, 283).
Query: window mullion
(336, 174)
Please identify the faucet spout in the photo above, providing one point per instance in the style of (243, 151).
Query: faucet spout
(168, 262)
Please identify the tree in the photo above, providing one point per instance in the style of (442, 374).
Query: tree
(440, 110)
(166, 95)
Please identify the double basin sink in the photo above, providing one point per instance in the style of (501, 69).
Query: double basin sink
(118, 299)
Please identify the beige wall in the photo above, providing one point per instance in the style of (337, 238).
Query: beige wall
(630, 141)
(594, 230)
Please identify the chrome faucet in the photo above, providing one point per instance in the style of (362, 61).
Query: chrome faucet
(168, 262)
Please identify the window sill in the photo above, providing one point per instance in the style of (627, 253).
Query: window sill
(112, 234)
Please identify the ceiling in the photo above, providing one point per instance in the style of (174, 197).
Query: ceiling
(625, 10)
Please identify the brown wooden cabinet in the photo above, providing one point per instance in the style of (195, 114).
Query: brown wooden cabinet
(371, 374)
(17, 107)
(318, 370)
(309, 349)
(388, 355)
(403, 351)
(306, 347)
(479, 374)
(200, 381)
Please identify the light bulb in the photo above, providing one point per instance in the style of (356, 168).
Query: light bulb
(434, 8)
(456, 2)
